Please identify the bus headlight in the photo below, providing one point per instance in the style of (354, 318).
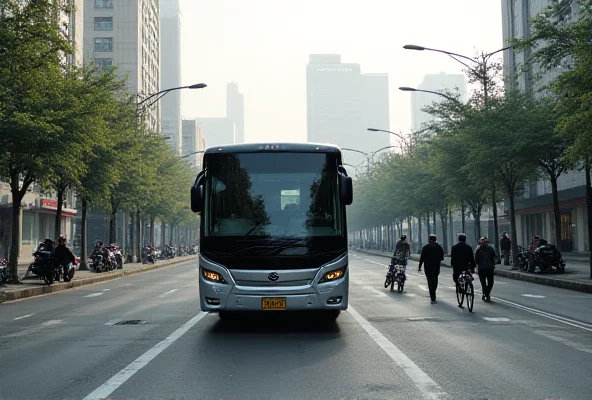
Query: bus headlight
(333, 275)
(212, 276)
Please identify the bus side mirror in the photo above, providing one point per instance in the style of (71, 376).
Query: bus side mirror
(197, 194)
(346, 189)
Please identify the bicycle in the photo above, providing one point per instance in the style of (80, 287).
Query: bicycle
(464, 288)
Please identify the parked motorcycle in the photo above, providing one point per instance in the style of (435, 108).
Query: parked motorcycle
(522, 258)
(547, 258)
(3, 270)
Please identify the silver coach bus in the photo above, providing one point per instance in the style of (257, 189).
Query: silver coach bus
(273, 233)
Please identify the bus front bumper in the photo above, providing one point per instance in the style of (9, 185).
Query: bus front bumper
(228, 296)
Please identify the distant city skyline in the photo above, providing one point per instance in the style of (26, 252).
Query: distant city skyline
(342, 103)
(231, 41)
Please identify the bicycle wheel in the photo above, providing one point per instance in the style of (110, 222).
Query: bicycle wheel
(460, 296)
(470, 295)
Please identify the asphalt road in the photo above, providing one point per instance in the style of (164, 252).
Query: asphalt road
(531, 342)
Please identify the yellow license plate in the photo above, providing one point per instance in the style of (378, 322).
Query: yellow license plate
(273, 303)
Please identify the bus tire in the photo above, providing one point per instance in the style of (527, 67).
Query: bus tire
(331, 315)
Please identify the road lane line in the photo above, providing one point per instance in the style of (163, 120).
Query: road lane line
(34, 329)
(422, 380)
(577, 324)
(105, 390)
(23, 317)
(167, 293)
(95, 294)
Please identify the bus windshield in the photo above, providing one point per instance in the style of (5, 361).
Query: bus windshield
(275, 195)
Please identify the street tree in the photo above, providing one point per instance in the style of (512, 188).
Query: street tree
(31, 71)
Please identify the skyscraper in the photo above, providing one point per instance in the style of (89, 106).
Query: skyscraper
(171, 20)
(126, 34)
(342, 103)
(235, 110)
(193, 141)
(434, 82)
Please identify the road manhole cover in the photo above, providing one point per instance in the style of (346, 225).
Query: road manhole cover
(132, 322)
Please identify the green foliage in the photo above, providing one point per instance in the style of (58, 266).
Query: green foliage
(560, 41)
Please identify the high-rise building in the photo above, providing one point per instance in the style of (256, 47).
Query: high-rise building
(454, 83)
(235, 110)
(193, 142)
(171, 20)
(126, 34)
(342, 103)
(534, 207)
(73, 24)
(218, 131)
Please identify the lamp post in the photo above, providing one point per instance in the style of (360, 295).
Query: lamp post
(410, 89)
(141, 107)
(478, 70)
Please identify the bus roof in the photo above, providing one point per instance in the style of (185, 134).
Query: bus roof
(275, 146)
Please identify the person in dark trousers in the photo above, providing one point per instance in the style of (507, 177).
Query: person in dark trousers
(485, 260)
(461, 258)
(431, 256)
(506, 248)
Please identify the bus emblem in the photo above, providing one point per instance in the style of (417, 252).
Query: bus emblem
(273, 276)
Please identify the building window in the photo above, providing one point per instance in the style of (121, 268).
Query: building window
(103, 44)
(103, 3)
(103, 23)
(104, 63)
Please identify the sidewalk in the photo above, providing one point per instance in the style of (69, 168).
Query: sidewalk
(576, 276)
(34, 286)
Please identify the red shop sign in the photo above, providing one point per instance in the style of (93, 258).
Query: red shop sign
(47, 203)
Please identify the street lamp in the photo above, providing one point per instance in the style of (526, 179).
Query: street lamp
(404, 139)
(162, 93)
(410, 89)
(140, 108)
(479, 71)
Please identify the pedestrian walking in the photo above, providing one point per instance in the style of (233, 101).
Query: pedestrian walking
(485, 260)
(431, 256)
(506, 248)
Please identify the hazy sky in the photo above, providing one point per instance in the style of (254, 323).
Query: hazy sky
(264, 46)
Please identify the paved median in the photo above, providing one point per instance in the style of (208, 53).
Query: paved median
(31, 288)
(572, 279)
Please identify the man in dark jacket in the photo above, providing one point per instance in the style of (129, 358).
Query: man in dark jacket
(431, 256)
(461, 258)
(63, 256)
(506, 247)
(485, 260)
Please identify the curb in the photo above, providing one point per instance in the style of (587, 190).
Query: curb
(58, 287)
(538, 279)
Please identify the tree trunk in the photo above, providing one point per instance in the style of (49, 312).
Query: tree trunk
(450, 228)
(139, 233)
(443, 217)
(556, 211)
(83, 237)
(462, 216)
(15, 235)
(513, 229)
(162, 234)
(428, 223)
(589, 209)
(419, 246)
(435, 223)
(152, 231)
(133, 236)
(113, 221)
(496, 226)
(58, 216)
